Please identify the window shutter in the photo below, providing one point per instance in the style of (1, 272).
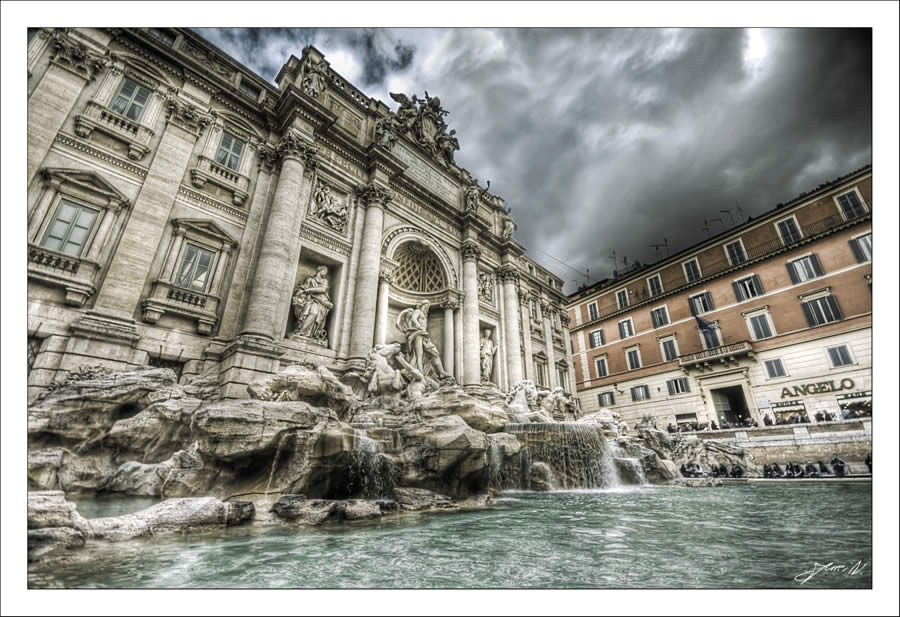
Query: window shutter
(709, 301)
(835, 307)
(758, 284)
(817, 265)
(671, 387)
(621, 329)
(687, 384)
(602, 339)
(738, 292)
(835, 356)
(857, 252)
(792, 270)
(807, 311)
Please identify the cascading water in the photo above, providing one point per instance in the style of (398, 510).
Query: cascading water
(370, 473)
(578, 455)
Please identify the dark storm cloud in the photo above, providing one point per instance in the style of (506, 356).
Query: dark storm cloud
(616, 139)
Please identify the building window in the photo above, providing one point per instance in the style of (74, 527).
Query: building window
(634, 358)
(596, 338)
(70, 228)
(606, 399)
(626, 328)
(692, 270)
(839, 356)
(789, 231)
(851, 205)
(654, 283)
(249, 90)
(701, 303)
(760, 326)
(601, 367)
(562, 375)
(640, 393)
(821, 311)
(540, 373)
(862, 247)
(669, 349)
(230, 150)
(678, 386)
(592, 311)
(622, 298)
(711, 337)
(130, 100)
(735, 252)
(775, 368)
(163, 36)
(196, 265)
(660, 317)
(746, 288)
(805, 269)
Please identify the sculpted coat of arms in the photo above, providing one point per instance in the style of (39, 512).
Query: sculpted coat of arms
(423, 120)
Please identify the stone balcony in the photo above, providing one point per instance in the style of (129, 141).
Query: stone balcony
(207, 170)
(724, 354)
(166, 297)
(98, 118)
(74, 274)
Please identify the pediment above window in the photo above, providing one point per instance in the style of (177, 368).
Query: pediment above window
(206, 229)
(87, 184)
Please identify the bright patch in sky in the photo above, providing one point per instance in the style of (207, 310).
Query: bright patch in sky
(755, 50)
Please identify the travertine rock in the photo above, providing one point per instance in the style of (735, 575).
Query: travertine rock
(173, 516)
(315, 386)
(481, 415)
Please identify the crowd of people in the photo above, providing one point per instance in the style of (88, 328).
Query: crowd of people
(773, 470)
(692, 470)
(779, 420)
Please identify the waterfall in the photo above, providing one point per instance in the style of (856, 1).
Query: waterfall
(370, 474)
(278, 449)
(578, 454)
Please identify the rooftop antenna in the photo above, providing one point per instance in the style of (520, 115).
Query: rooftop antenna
(721, 221)
(740, 212)
(729, 216)
(706, 227)
(657, 247)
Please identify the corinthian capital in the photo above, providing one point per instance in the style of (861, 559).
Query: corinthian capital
(524, 296)
(470, 251)
(508, 273)
(266, 157)
(374, 195)
(564, 318)
(75, 56)
(293, 145)
(186, 115)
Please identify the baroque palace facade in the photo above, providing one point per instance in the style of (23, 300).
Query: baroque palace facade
(771, 317)
(184, 212)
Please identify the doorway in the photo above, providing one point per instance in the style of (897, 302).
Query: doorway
(731, 406)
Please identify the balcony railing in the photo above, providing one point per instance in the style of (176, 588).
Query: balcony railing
(207, 170)
(98, 117)
(724, 351)
(677, 284)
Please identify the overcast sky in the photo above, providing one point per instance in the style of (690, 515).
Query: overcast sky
(608, 140)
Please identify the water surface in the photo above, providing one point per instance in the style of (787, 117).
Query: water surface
(653, 537)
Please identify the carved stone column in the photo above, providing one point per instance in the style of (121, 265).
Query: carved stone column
(449, 336)
(72, 66)
(528, 369)
(381, 312)
(547, 314)
(128, 269)
(282, 232)
(564, 321)
(471, 315)
(362, 327)
(509, 278)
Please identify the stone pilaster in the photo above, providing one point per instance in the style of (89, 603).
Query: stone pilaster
(471, 315)
(381, 311)
(124, 282)
(282, 233)
(72, 66)
(449, 307)
(528, 369)
(362, 327)
(567, 341)
(546, 315)
(509, 278)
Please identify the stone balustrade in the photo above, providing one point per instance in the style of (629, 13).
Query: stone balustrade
(207, 170)
(99, 118)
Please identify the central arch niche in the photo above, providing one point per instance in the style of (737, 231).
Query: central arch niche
(418, 269)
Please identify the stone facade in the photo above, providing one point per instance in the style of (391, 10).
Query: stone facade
(639, 348)
(184, 212)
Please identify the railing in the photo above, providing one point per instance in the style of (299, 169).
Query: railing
(136, 135)
(760, 251)
(183, 295)
(733, 349)
(53, 260)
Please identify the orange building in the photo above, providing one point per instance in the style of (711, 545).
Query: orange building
(771, 317)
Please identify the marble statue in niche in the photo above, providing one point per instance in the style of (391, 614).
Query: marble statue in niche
(311, 305)
(488, 351)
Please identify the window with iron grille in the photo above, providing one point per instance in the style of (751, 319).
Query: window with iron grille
(775, 368)
(736, 253)
(230, 151)
(805, 269)
(130, 100)
(851, 206)
(862, 248)
(660, 317)
(822, 311)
